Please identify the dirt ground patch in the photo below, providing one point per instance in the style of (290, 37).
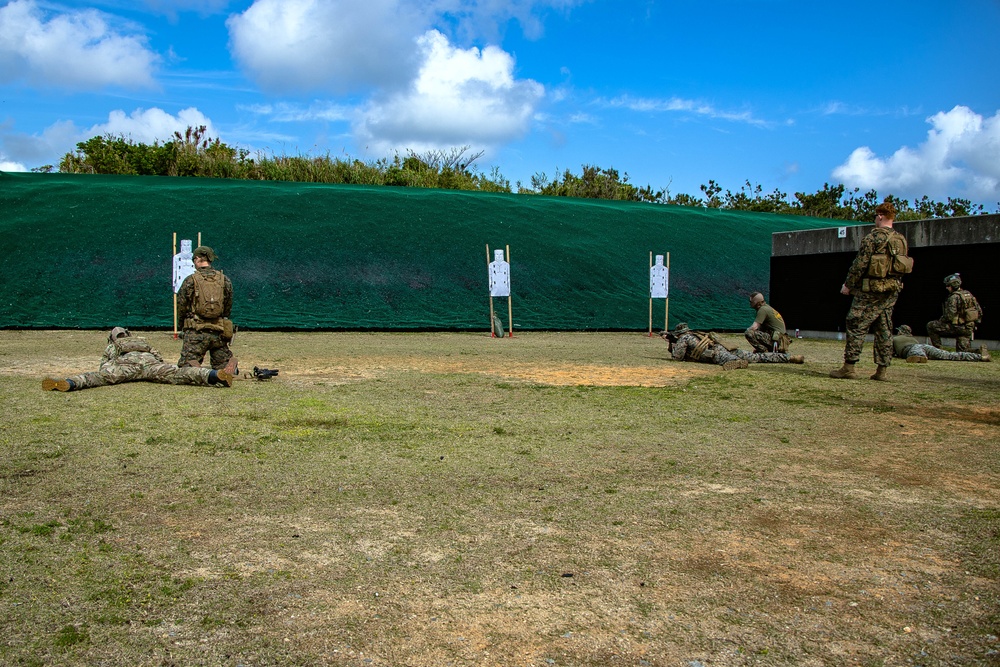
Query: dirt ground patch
(660, 375)
(428, 500)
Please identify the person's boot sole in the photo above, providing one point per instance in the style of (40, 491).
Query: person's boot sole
(51, 384)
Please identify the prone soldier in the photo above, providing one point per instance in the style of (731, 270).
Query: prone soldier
(129, 358)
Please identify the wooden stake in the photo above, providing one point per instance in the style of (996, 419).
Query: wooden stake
(510, 310)
(666, 307)
(171, 286)
(493, 334)
(650, 333)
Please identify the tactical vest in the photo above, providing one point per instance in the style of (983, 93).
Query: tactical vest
(970, 312)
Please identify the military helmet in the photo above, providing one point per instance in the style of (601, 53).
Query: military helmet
(954, 280)
(206, 252)
(118, 332)
(904, 330)
(681, 328)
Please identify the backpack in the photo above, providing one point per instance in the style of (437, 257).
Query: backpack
(209, 293)
(971, 310)
(892, 259)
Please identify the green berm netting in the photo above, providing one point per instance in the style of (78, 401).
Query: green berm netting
(97, 251)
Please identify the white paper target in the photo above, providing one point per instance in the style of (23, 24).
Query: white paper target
(499, 275)
(183, 264)
(659, 279)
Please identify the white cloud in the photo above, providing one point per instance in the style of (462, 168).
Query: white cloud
(150, 125)
(36, 150)
(75, 50)
(284, 112)
(326, 45)
(961, 156)
(11, 166)
(677, 104)
(460, 97)
(141, 126)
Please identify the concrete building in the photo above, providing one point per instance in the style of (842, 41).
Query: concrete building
(808, 268)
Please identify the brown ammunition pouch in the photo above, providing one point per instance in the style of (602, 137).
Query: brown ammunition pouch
(198, 324)
(228, 329)
(783, 341)
(703, 342)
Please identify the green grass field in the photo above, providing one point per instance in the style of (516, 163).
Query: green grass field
(452, 499)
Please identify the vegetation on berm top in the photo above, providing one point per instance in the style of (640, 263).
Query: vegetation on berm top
(194, 154)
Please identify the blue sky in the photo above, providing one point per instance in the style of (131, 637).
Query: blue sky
(899, 96)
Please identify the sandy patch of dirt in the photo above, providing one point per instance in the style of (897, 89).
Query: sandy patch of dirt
(660, 375)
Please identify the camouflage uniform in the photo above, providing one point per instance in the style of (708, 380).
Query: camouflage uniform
(202, 336)
(770, 327)
(874, 299)
(764, 357)
(952, 322)
(691, 346)
(907, 347)
(117, 367)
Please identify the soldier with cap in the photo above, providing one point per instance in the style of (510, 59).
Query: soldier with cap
(959, 315)
(767, 333)
(205, 301)
(687, 345)
(129, 358)
(906, 346)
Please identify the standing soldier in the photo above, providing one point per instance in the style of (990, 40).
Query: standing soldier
(875, 280)
(767, 333)
(959, 315)
(205, 301)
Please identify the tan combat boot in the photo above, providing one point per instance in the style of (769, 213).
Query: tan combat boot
(51, 384)
(984, 352)
(796, 359)
(224, 378)
(882, 374)
(845, 372)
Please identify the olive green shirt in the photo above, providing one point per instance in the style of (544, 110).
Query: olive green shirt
(900, 343)
(770, 321)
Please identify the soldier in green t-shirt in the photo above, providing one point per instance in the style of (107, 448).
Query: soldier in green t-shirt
(764, 335)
